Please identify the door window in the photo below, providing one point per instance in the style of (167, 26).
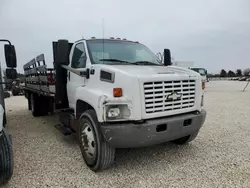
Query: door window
(79, 58)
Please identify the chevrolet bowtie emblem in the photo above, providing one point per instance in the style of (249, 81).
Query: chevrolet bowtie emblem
(174, 96)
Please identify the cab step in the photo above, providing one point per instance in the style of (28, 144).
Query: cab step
(64, 130)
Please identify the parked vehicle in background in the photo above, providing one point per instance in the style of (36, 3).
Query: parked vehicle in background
(190, 65)
(201, 71)
(184, 64)
(114, 94)
(243, 79)
(6, 153)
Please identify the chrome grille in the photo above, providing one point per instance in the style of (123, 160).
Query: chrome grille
(169, 95)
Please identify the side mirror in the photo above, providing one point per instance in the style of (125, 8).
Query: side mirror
(11, 74)
(167, 57)
(61, 54)
(10, 55)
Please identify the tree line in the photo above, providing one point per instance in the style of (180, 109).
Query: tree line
(230, 73)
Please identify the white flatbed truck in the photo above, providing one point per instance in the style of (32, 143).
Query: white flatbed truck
(114, 94)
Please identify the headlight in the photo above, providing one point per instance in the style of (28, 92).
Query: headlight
(117, 112)
(113, 113)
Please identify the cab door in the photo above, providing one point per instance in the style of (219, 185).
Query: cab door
(78, 61)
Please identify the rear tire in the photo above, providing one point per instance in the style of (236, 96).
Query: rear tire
(40, 105)
(6, 158)
(186, 139)
(34, 105)
(97, 153)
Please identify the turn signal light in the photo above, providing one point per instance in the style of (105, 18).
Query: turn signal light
(117, 92)
(203, 85)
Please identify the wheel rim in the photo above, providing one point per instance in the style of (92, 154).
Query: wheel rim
(88, 141)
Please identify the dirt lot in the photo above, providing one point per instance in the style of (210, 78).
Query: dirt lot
(219, 157)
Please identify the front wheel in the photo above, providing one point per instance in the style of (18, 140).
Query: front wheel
(6, 158)
(97, 153)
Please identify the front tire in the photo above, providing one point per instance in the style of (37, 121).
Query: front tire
(6, 158)
(97, 153)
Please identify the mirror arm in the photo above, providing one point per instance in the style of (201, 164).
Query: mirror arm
(85, 73)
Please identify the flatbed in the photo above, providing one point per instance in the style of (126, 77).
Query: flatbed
(39, 78)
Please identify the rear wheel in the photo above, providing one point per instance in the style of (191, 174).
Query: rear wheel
(34, 105)
(97, 153)
(40, 105)
(6, 158)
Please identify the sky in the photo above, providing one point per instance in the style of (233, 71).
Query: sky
(215, 34)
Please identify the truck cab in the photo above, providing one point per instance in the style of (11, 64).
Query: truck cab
(116, 94)
(132, 69)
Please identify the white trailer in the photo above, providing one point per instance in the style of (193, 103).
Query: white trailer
(184, 64)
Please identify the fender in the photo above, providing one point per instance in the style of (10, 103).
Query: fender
(93, 97)
(98, 99)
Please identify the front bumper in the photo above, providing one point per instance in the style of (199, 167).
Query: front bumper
(153, 131)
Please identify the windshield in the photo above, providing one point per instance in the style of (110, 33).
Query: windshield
(201, 71)
(118, 51)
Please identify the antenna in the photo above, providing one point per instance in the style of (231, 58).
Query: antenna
(102, 38)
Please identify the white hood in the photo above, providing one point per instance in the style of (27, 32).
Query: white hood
(152, 71)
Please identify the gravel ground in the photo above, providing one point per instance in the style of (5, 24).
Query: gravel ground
(219, 157)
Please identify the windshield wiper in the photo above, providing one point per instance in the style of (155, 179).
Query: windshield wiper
(115, 60)
(145, 63)
(133, 63)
